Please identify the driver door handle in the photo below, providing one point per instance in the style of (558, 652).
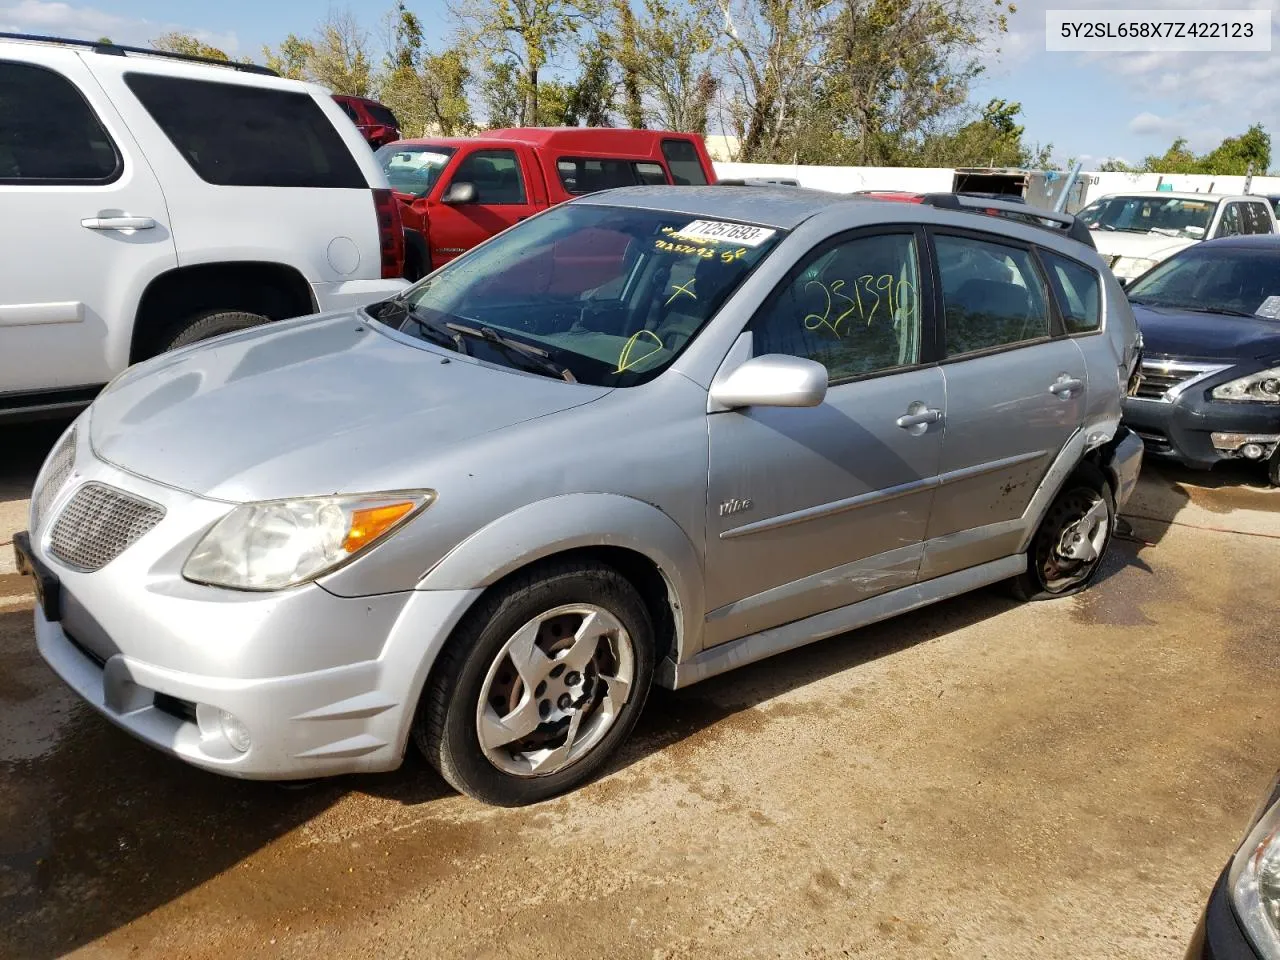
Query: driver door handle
(1066, 386)
(909, 420)
(118, 223)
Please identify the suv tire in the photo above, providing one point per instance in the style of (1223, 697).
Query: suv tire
(212, 323)
(1084, 510)
(593, 689)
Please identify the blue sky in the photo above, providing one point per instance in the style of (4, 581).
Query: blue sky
(1091, 106)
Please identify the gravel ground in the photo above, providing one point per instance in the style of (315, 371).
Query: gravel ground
(978, 779)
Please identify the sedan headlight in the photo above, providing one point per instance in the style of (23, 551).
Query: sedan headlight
(1126, 268)
(1254, 883)
(1261, 387)
(280, 543)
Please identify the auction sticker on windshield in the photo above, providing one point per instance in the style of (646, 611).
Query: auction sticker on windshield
(740, 233)
(1270, 309)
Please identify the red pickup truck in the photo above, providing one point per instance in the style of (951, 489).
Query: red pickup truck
(456, 192)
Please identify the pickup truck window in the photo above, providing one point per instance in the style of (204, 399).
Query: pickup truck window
(613, 294)
(414, 169)
(496, 176)
(682, 158)
(579, 175)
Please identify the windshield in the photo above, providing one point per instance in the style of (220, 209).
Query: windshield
(414, 169)
(1169, 216)
(1230, 279)
(611, 294)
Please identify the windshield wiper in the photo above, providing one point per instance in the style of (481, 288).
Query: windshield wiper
(1227, 311)
(527, 354)
(432, 330)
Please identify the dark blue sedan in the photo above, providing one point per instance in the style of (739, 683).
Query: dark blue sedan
(1210, 321)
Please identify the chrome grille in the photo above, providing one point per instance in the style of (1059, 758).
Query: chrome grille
(100, 523)
(57, 469)
(1165, 379)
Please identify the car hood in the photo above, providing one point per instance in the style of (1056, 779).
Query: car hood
(1148, 246)
(326, 405)
(1170, 332)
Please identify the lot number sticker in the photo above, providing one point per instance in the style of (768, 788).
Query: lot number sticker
(1270, 308)
(739, 233)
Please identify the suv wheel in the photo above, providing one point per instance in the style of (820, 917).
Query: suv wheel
(212, 323)
(1273, 468)
(538, 685)
(1067, 551)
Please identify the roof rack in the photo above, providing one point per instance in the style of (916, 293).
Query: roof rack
(119, 50)
(1034, 216)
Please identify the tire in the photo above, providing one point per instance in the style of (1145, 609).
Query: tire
(476, 675)
(1273, 469)
(1085, 491)
(212, 323)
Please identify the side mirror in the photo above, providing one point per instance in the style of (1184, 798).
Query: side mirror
(774, 380)
(1124, 282)
(459, 192)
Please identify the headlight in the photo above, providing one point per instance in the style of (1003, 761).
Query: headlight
(1126, 268)
(1254, 882)
(1261, 387)
(280, 543)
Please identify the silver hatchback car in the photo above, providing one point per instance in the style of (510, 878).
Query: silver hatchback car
(646, 436)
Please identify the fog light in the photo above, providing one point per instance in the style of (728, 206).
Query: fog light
(235, 731)
(1252, 451)
(1235, 441)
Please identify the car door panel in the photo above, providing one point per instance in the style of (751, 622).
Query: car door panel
(839, 499)
(503, 198)
(67, 302)
(1012, 404)
(814, 508)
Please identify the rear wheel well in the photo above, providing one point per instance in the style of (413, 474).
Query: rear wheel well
(173, 299)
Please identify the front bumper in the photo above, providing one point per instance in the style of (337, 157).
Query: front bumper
(1183, 429)
(1218, 935)
(324, 684)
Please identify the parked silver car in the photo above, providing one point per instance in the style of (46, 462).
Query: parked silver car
(649, 435)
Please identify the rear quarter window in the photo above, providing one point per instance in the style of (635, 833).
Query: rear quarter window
(1078, 291)
(235, 135)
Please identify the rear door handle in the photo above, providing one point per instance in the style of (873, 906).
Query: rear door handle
(928, 415)
(118, 223)
(1066, 386)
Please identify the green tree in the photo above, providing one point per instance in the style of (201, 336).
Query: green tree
(673, 50)
(187, 45)
(1115, 165)
(1238, 155)
(631, 63)
(399, 84)
(340, 58)
(1177, 159)
(524, 35)
(291, 58)
(445, 78)
(500, 94)
(993, 139)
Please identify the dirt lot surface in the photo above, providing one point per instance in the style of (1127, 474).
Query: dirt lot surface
(979, 779)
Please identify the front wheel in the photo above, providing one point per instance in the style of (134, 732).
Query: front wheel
(539, 685)
(1066, 553)
(209, 324)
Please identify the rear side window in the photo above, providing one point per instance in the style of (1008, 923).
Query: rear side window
(1230, 225)
(1078, 290)
(587, 175)
(686, 166)
(651, 174)
(350, 111)
(382, 115)
(1256, 219)
(992, 295)
(242, 136)
(48, 132)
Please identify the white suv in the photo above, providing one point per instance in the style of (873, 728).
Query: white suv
(149, 200)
